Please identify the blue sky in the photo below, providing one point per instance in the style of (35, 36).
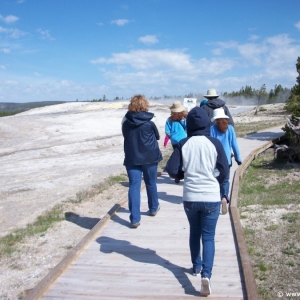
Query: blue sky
(83, 49)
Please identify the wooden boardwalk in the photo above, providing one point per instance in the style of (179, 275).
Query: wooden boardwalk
(153, 261)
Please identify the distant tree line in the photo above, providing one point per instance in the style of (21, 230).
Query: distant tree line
(10, 108)
(277, 95)
(9, 113)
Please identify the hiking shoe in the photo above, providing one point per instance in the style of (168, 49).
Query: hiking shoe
(153, 213)
(205, 287)
(196, 272)
(224, 206)
(134, 225)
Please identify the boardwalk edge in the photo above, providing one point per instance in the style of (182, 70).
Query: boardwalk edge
(243, 254)
(53, 274)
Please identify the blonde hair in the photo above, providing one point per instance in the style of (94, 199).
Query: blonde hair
(138, 103)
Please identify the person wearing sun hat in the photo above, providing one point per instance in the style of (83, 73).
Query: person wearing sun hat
(215, 102)
(175, 127)
(176, 124)
(224, 132)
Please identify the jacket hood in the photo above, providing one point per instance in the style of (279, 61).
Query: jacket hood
(197, 122)
(136, 119)
(215, 103)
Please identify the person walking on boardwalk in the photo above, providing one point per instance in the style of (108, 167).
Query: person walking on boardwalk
(226, 134)
(142, 155)
(175, 127)
(215, 102)
(204, 168)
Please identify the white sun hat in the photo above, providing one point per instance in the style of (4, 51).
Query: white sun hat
(219, 114)
(177, 107)
(211, 93)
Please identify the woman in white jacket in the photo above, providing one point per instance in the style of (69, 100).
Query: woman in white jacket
(200, 159)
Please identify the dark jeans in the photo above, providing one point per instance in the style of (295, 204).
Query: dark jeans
(203, 217)
(135, 173)
(224, 187)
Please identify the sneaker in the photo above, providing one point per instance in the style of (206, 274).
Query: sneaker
(196, 272)
(177, 180)
(224, 206)
(205, 287)
(134, 225)
(153, 213)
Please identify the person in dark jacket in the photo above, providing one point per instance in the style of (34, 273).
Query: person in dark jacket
(142, 155)
(201, 160)
(215, 102)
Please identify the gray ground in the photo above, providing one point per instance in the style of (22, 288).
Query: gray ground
(49, 154)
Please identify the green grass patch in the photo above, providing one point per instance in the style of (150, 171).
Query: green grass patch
(272, 227)
(10, 242)
(243, 129)
(291, 217)
(254, 188)
(262, 267)
(99, 188)
(248, 231)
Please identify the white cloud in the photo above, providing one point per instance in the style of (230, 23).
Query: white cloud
(45, 35)
(13, 33)
(148, 59)
(120, 22)
(219, 47)
(67, 82)
(100, 24)
(254, 37)
(149, 39)
(5, 50)
(252, 52)
(170, 71)
(9, 19)
(161, 71)
(297, 25)
(2, 67)
(37, 74)
(279, 40)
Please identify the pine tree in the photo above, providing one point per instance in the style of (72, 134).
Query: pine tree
(293, 103)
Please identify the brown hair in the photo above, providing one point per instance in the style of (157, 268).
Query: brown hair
(138, 103)
(222, 124)
(178, 116)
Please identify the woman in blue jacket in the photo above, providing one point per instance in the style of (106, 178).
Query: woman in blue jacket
(142, 155)
(175, 127)
(225, 133)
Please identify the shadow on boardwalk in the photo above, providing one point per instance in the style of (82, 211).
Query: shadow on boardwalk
(147, 256)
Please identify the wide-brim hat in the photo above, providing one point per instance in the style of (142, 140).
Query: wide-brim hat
(219, 114)
(177, 107)
(211, 93)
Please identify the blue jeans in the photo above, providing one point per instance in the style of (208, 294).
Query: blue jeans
(135, 173)
(224, 187)
(203, 217)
